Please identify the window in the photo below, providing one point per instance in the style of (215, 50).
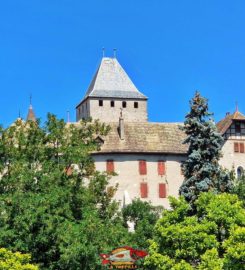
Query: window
(112, 103)
(124, 104)
(136, 105)
(237, 128)
(100, 103)
(236, 147)
(239, 147)
(110, 166)
(143, 190)
(240, 172)
(142, 167)
(161, 167)
(162, 190)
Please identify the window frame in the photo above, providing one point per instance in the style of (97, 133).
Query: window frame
(144, 190)
(124, 104)
(142, 167)
(110, 166)
(161, 167)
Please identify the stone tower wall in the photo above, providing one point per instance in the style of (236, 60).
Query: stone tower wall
(107, 113)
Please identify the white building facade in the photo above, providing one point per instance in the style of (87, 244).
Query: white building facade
(145, 156)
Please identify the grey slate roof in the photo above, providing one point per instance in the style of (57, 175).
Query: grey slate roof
(145, 138)
(110, 80)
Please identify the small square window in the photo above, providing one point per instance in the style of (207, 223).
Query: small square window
(112, 103)
(124, 104)
(100, 103)
(136, 105)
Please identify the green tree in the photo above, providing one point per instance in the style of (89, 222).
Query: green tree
(53, 204)
(15, 261)
(211, 239)
(239, 188)
(144, 216)
(201, 169)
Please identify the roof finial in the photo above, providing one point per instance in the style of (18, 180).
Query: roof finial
(236, 106)
(103, 52)
(30, 100)
(115, 53)
(19, 114)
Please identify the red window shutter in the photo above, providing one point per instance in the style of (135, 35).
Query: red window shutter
(110, 166)
(162, 190)
(143, 190)
(142, 167)
(161, 167)
(236, 147)
(241, 147)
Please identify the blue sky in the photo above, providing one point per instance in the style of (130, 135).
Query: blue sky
(169, 48)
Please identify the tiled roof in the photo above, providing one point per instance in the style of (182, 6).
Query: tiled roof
(31, 115)
(110, 80)
(225, 123)
(145, 138)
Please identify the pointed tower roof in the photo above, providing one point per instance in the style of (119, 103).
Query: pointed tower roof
(225, 123)
(31, 115)
(110, 80)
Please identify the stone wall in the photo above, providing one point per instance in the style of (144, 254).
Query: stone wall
(106, 113)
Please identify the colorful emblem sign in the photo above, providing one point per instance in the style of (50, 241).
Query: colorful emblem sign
(122, 258)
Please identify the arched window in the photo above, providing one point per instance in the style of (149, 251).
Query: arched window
(240, 172)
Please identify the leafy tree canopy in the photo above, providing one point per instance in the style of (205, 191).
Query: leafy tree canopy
(15, 261)
(144, 216)
(53, 204)
(214, 238)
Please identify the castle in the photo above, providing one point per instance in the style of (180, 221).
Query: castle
(145, 156)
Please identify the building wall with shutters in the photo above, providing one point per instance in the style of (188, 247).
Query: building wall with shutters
(129, 178)
(233, 149)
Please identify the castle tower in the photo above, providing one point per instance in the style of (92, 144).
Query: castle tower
(111, 91)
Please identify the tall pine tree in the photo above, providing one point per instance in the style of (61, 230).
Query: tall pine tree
(202, 171)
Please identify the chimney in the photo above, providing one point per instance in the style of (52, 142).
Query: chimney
(121, 127)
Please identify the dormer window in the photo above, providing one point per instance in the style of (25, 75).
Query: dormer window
(112, 103)
(124, 104)
(101, 103)
(136, 105)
